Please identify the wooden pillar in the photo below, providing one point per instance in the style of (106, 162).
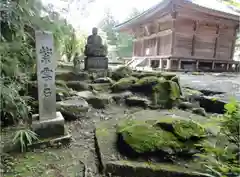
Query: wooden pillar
(134, 48)
(179, 64)
(195, 27)
(227, 68)
(234, 41)
(197, 65)
(156, 47)
(216, 42)
(160, 63)
(169, 64)
(142, 48)
(213, 65)
(174, 16)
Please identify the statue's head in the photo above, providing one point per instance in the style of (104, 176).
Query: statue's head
(94, 31)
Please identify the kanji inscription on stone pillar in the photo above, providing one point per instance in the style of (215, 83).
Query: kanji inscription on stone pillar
(46, 74)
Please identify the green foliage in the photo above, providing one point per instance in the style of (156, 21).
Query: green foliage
(13, 106)
(221, 159)
(24, 137)
(123, 41)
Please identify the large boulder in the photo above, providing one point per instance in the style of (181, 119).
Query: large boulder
(73, 109)
(121, 73)
(146, 84)
(165, 134)
(124, 84)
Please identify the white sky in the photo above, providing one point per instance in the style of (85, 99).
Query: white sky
(95, 11)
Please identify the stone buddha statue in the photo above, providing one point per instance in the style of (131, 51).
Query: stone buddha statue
(94, 46)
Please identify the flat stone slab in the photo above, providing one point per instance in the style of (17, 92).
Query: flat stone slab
(114, 163)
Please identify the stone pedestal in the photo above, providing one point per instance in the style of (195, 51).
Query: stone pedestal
(96, 63)
(49, 128)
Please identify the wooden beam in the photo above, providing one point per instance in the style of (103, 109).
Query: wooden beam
(159, 34)
(147, 29)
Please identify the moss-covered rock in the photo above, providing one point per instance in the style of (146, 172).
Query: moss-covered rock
(166, 93)
(124, 84)
(102, 80)
(121, 73)
(164, 134)
(99, 101)
(137, 101)
(101, 87)
(186, 105)
(199, 111)
(146, 138)
(78, 85)
(168, 75)
(140, 75)
(188, 129)
(71, 76)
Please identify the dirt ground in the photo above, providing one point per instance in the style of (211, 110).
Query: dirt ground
(77, 160)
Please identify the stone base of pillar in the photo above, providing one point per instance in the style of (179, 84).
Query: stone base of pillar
(49, 128)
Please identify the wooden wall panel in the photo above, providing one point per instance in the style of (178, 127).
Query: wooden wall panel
(165, 26)
(183, 44)
(165, 45)
(184, 25)
(204, 46)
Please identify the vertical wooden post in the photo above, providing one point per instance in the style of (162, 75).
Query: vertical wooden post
(174, 16)
(194, 37)
(216, 42)
(234, 41)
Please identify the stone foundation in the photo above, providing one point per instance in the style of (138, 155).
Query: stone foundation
(49, 128)
(96, 63)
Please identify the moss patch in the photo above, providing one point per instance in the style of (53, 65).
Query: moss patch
(121, 73)
(160, 134)
(124, 84)
(188, 129)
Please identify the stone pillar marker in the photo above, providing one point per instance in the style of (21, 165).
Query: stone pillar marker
(46, 65)
(48, 123)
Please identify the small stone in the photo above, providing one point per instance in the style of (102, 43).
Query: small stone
(137, 101)
(199, 111)
(186, 105)
(103, 80)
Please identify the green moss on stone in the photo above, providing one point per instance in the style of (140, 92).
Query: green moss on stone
(124, 84)
(168, 75)
(121, 73)
(188, 129)
(160, 134)
(146, 138)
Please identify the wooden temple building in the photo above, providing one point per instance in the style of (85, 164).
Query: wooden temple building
(185, 34)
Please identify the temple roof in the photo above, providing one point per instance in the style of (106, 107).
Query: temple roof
(213, 5)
